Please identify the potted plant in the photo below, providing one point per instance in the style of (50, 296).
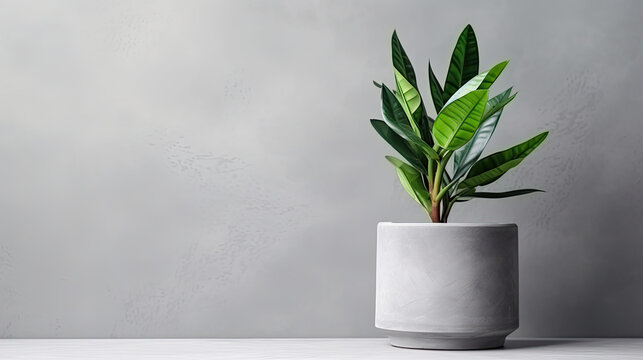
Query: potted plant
(443, 285)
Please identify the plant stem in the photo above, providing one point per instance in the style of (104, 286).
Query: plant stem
(435, 189)
(437, 184)
(430, 173)
(447, 211)
(435, 212)
(425, 181)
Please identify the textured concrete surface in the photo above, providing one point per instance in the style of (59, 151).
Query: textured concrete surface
(284, 349)
(197, 168)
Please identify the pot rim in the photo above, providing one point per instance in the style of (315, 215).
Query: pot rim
(388, 223)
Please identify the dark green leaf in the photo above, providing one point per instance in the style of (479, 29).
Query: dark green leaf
(399, 144)
(392, 110)
(377, 85)
(401, 62)
(492, 167)
(425, 125)
(464, 62)
(506, 194)
(463, 195)
(436, 91)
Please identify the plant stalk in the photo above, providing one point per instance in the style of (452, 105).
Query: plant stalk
(435, 212)
(447, 210)
(435, 190)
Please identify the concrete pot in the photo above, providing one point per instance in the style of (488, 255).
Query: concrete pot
(447, 286)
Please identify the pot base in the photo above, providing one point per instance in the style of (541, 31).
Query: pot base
(414, 340)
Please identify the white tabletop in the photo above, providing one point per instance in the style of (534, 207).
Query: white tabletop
(361, 349)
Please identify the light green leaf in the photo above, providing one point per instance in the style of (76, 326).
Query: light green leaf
(412, 182)
(492, 75)
(467, 155)
(464, 62)
(436, 91)
(458, 121)
(399, 144)
(470, 86)
(492, 167)
(410, 100)
(401, 62)
(481, 81)
(446, 189)
(396, 119)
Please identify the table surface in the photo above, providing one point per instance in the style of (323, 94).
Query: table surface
(87, 349)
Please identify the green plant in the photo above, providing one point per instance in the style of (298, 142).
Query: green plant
(466, 119)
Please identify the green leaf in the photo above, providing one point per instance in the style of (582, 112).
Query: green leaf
(377, 85)
(470, 86)
(464, 62)
(412, 182)
(401, 62)
(403, 65)
(463, 195)
(410, 100)
(396, 119)
(492, 75)
(399, 144)
(492, 167)
(505, 194)
(489, 111)
(446, 189)
(481, 81)
(436, 91)
(425, 125)
(392, 110)
(467, 155)
(458, 121)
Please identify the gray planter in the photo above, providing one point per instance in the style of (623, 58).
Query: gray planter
(447, 286)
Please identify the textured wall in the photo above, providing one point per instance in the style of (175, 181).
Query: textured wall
(200, 169)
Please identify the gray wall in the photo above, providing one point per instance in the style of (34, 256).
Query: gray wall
(199, 169)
